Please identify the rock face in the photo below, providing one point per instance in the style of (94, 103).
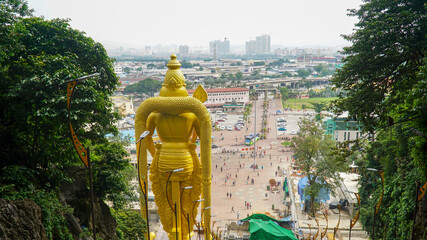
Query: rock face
(21, 219)
(77, 196)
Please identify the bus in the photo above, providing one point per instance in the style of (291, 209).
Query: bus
(251, 138)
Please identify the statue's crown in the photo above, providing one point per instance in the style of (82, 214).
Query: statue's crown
(174, 77)
(174, 83)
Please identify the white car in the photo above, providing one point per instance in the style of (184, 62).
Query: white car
(222, 127)
(293, 132)
(229, 128)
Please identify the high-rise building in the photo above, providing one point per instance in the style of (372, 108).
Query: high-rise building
(183, 50)
(261, 45)
(219, 48)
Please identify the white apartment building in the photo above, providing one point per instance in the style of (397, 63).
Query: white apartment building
(218, 97)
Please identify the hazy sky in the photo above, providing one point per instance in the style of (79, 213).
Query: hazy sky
(196, 22)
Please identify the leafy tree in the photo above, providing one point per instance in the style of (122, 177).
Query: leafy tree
(259, 63)
(277, 63)
(318, 108)
(303, 73)
(200, 68)
(33, 127)
(37, 57)
(286, 74)
(110, 162)
(130, 225)
(126, 70)
(185, 64)
(239, 75)
(384, 86)
(313, 151)
(284, 92)
(146, 86)
(381, 65)
(319, 68)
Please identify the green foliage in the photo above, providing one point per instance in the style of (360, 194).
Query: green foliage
(303, 73)
(384, 83)
(284, 93)
(314, 157)
(259, 63)
(130, 225)
(110, 165)
(34, 132)
(381, 66)
(37, 57)
(146, 86)
(52, 210)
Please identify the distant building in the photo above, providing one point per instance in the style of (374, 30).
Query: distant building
(233, 99)
(219, 48)
(343, 129)
(123, 105)
(261, 45)
(183, 50)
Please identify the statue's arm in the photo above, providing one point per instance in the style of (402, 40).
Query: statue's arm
(151, 126)
(196, 130)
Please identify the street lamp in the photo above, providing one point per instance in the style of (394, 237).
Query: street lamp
(84, 153)
(198, 224)
(323, 234)
(354, 220)
(339, 219)
(213, 224)
(309, 233)
(144, 189)
(170, 205)
(188, 214)
(201, 219)
(318, 228)
(378, 205)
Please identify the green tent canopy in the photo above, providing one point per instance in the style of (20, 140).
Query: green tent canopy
(268, 230)
(261, 217)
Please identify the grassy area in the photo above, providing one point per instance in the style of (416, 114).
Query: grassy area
(297, 103)
(287, 144)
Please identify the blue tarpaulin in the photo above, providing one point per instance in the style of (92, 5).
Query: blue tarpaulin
(303, 183)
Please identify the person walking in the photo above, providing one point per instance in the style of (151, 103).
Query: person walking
(232, 209)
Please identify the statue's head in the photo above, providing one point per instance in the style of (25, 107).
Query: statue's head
(174, 83)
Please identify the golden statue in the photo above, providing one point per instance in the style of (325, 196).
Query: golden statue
(177, 176)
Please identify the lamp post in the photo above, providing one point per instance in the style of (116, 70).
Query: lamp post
(339, 219)
(420, 191)
(188, 214)
(378, 205)
(213, 224)
(309, 233)
(201, 217)
(144, 189)
(84, 153)
(323, 234)
(198, 224)
(318, 228)
(174, 210)
(356, 217)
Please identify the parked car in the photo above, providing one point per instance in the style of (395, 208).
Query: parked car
(282, 129)
(293, 132)
(237, 128)
(222, 127)
(220, 120)
(214, 146)
(229, 128)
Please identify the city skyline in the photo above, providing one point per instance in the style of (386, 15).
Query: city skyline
(132, 23)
